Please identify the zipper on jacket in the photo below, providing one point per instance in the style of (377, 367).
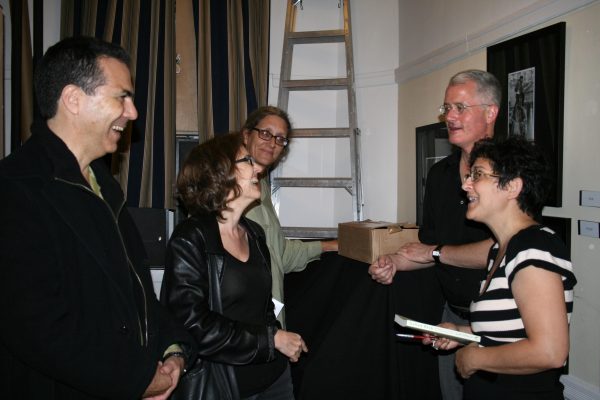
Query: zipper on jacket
(143, 332)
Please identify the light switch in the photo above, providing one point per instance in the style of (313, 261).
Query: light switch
(589, 228)
(589, 198)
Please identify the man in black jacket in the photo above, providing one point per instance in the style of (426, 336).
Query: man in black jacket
(78, 316)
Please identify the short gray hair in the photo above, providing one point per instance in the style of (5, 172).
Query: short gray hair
(488, 85)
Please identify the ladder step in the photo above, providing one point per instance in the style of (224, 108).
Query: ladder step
(315, 84)
(300, 232)
(328, 36)
(312, 182)
(321, 133)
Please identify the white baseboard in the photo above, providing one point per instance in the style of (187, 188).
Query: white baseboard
(576, 389)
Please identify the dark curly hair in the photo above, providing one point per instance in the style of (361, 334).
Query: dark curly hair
(262, 112)
(73, 60)
(517, 157)
(207, 176)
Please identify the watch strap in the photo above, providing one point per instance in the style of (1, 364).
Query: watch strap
(436, 253)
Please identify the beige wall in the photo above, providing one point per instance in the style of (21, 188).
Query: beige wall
(417, 103)
(581, 171)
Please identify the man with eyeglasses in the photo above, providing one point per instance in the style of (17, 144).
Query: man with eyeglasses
(456, 246)
(266, 134)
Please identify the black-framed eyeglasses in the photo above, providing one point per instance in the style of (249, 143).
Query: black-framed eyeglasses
(476, 175)
(266, 135)
(459, 107)
(247, 158)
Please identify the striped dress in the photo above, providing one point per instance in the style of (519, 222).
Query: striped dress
(495, 316)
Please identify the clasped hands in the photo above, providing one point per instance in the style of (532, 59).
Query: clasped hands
(414, 255)
(165, 379)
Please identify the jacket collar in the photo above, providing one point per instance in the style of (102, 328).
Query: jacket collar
(62, 165)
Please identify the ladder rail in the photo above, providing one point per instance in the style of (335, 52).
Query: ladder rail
(352, 117)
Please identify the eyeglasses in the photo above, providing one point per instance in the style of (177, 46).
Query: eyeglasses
(459, 107)
(247, 158)
(476, 175)
(266, 135)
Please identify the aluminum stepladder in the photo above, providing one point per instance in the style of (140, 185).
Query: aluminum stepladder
(351, 184)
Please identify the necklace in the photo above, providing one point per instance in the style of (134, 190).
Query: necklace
(497, 262)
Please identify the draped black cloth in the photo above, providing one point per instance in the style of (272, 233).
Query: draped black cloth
(346, 319)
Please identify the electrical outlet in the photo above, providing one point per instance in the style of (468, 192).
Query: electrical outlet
(589, 228)
(589, 198)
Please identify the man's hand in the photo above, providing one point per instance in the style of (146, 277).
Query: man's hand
(417, 252)
(383, 269)
(165, 379)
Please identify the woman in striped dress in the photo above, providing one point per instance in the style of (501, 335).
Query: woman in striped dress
(523, 311)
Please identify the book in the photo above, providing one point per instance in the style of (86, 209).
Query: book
(436, 330)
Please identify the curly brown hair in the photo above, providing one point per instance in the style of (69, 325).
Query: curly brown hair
(207, 176)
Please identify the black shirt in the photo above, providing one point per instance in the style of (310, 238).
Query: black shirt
(444, 222)
(246, 294)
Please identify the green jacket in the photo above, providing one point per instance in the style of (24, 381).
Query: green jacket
(286, 255)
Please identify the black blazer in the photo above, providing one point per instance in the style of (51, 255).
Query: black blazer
(78, 314)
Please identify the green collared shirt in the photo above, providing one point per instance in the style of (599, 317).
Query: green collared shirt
(286, 255)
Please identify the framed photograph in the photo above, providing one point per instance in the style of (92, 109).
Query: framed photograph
(521, 102)
(562, 227)
(531, 70)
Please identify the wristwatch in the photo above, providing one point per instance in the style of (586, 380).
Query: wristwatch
(436, 253)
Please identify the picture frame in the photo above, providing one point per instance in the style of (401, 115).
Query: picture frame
(531, 71)
(562, 227)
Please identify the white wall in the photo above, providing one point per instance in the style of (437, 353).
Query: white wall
(434, 33)
(421, 91)
(375, 40)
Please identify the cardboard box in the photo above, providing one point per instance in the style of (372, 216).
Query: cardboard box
(367, 240)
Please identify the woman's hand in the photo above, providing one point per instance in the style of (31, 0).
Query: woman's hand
(290, 344)
(440, 343)
(465, 360)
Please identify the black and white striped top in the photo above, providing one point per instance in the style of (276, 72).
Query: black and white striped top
(494, 314)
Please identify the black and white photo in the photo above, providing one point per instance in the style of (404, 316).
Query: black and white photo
(521, 106)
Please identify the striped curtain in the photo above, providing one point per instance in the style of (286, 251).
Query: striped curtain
(232, 42)
(232, 39)
(2, 82)
(145, 163)
(22, 70)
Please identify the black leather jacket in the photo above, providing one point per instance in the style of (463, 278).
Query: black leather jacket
(185, 287)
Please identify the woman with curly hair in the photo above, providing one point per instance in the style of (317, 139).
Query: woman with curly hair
(216, 184)
(524, 306)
